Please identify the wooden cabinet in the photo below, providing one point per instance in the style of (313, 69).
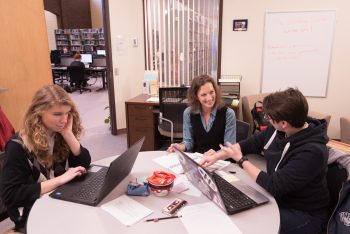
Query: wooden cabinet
(141, 120)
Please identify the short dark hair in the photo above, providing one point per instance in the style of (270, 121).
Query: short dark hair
(196, 84)
(77, 56)
(289, 105)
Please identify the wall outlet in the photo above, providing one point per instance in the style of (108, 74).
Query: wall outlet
(135, 42)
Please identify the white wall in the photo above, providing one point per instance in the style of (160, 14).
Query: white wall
(126, 20)
(51, 25)
(242, 51)
(96, 13)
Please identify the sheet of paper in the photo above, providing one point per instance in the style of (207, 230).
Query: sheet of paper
(227, 176)
(171, 162)
(153, 99)
(126, 210)
(192, 190)
(207, 218)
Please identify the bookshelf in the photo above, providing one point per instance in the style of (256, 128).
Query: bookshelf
(83, 40)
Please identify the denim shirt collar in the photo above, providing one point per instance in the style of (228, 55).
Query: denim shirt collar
(212, 113)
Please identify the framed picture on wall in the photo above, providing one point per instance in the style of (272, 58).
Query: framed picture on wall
(240, 25)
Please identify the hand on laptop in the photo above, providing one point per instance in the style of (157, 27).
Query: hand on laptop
(209, 158)
(179, 146)
(71, 173)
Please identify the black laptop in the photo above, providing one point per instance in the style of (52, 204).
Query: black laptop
(231, 197)
(99, 180)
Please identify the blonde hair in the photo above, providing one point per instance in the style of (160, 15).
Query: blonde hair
(34, 130)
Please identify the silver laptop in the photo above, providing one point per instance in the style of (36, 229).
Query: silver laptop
(99, 180)
(232, 198)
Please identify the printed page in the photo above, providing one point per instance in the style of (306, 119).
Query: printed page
(207, 218)
(126, 210)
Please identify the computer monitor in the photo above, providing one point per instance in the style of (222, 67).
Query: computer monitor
(86, 58)
(66, 61)
(101, 52)
(55, 57)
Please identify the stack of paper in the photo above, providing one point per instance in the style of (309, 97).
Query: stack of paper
(172, 163)
(126, 210)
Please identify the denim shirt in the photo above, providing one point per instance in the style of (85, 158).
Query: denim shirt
(230, 128)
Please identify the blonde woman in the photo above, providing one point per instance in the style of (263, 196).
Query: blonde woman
(44, 154)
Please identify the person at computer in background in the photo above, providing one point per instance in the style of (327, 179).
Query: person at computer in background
(206, 122)
(77, 61)
(294, 147)
(44, 154)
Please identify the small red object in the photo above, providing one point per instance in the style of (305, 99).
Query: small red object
(161, 178)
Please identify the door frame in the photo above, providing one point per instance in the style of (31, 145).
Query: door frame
(109, 61)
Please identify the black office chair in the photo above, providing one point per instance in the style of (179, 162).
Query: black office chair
(336, 176)
(172, 103)
(3, 210)
(77, 77)
(242, 130)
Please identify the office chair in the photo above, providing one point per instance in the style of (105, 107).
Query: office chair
(3, 210)
(336, 176)
(242, 130)
(172, 103)
(77, 78)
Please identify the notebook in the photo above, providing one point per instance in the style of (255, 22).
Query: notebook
(231, 197)
(99, 180)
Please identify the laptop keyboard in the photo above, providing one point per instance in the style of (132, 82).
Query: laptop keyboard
(88, 190)
(231, 196)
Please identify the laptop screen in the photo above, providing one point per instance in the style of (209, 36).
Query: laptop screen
(200, 178)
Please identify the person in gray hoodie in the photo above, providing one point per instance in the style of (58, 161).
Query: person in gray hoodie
(296, 154)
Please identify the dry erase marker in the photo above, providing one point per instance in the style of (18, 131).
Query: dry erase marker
(162, 218)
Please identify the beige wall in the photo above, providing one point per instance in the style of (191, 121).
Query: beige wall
(242, 51)
(25, 59)
(126, 20)
(96, 13)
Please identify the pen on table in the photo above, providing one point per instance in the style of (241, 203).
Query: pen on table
(162, 218)
(232, 172)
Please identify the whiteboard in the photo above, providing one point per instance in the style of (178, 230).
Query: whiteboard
(297, 51)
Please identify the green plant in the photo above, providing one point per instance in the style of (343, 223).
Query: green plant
(107, 119)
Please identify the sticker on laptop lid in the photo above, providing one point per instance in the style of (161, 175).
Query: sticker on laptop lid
(94, 168)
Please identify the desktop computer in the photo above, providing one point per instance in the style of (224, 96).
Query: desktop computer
(86, 58)
(101, 52)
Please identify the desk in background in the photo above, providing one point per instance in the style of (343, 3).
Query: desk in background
(62, 72)
(142, 120)
(67, 217)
